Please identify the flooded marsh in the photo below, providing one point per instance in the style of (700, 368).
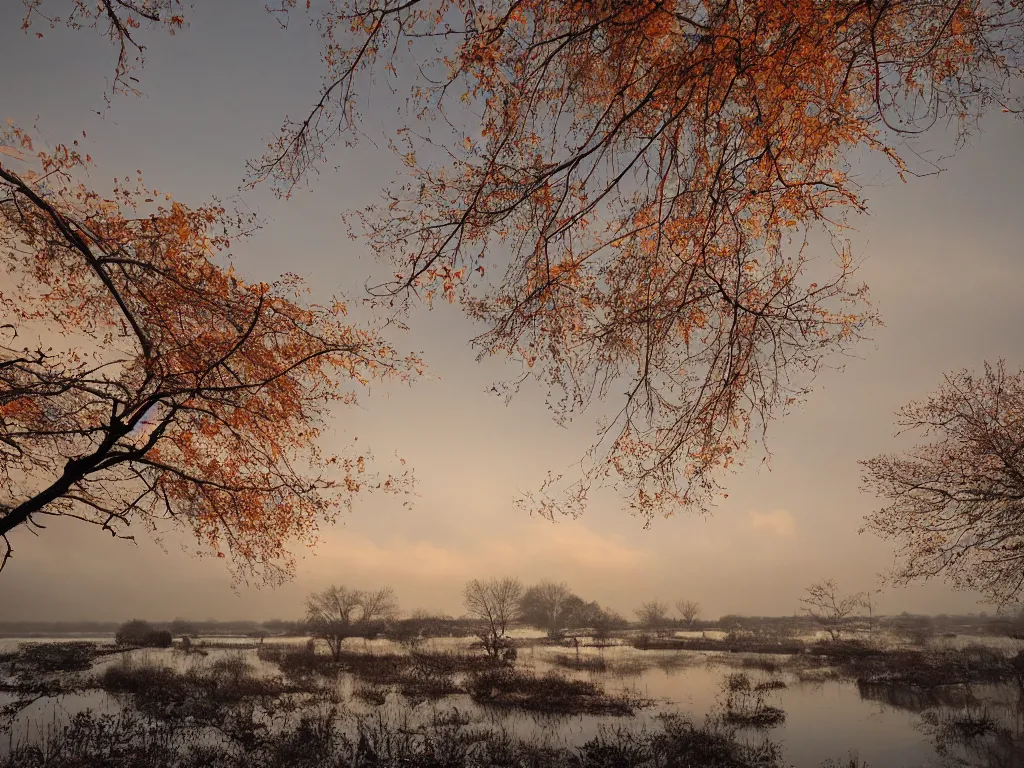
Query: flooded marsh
(446, 703)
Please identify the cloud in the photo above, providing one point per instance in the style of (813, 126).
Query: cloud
(398, 557)
(520, 552)
(778, 522)
(574, 544)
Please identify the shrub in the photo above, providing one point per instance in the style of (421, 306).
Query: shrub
(140, 634)
(159, 638)
(56, 657)
(446, 740)
(134, 632)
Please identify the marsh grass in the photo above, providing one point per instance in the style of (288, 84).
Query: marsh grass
(974, 736)
(549, 694)
(418, 676)
(586, 663)
(224, 695)
(630, 663)
(370, 694)
(762, 663)
(915, 698)
(448, 740)
(224, 712)
(972, 725)
(40, 670)
(912, 667)
(732, 644)
(746, 703)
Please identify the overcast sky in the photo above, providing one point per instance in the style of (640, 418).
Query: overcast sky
(942, 257)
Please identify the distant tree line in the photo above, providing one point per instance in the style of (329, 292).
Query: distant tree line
(494, 606)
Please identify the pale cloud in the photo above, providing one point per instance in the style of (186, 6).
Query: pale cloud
(360, 555)
(564, 545)
(574, 544)
(431, 574)
(778, 522)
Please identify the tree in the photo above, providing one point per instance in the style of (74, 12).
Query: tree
(134, 632)
(830, 609)
(603, 620)
(549, 606)
(140, 381)
(651, 175)
(956, 503)
(117, 20)
(689, 610)
(338, 612)
(376, 608)
(495, 603)
(141, 634)
(652, 614)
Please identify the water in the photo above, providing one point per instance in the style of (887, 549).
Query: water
(825, 719)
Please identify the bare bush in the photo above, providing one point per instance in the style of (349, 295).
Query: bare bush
(829, 608)
(495, 603)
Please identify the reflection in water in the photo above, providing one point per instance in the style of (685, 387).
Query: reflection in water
(974, 737)
(969, 726)
(886, 725)
(914, 698)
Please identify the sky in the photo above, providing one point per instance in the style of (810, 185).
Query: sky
(941, 255)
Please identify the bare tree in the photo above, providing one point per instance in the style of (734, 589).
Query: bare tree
(956, 504)
(689, 610)
(495, 602)
(339, 612)
(378, 606)
(652, 614)
(549, 606)
(828, 607)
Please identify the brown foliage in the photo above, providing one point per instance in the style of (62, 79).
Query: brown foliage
(646, 176)
(141, 380)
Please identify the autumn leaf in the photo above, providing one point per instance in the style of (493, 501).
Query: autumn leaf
(168, 390)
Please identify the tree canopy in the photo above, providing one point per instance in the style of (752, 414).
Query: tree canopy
(830, 608)
(643, 202)
(339, 612)
(647, 177)
(143, 382)
(955, 502)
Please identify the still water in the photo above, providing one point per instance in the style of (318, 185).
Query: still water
(825, 718)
